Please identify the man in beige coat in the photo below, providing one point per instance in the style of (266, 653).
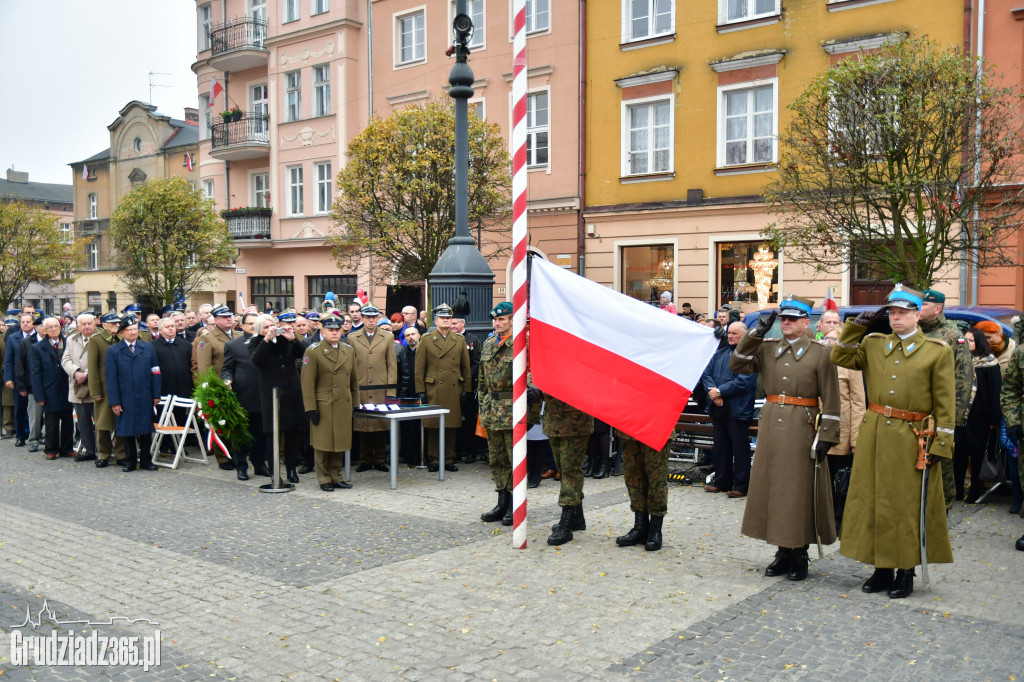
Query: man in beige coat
(330, 391)
(377, 369)
(75, 362)
(802, 399)
(442, 375)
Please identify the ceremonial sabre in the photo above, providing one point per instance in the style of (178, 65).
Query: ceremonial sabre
(817, 467)
(924, 440)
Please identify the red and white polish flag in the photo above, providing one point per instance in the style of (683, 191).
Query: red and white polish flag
(618, 359)
(830, 301)
(215, 90)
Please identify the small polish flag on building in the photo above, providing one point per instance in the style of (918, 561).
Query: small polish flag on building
(85, 172)
(215, 89)
(830, 301)
(188, 161)
(618, 359)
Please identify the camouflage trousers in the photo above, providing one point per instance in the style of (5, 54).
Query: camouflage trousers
(499, 449)
(948, 487)
(646, 472)
(569, 452)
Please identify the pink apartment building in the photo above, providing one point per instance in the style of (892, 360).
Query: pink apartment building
(306, 74)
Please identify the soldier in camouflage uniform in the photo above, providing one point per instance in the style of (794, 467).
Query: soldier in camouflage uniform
(646, 472)
(569, 431)
(494, 393)
(935, 326)
(1011, 400)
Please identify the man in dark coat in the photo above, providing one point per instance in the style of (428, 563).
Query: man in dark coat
(241, 376)
(275, 355)
(50, 382)
(411, 445)
(174, 356)
(23, 384)
(14, 340)
(133, 389)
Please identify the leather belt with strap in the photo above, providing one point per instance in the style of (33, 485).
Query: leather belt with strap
(905, 415)
(792, 400)
(377, 387)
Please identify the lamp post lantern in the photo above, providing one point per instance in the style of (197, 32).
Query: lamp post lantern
(462, 269)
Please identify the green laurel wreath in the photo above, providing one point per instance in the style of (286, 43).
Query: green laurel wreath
(219, 406)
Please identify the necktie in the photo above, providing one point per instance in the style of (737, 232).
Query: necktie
(131, 347)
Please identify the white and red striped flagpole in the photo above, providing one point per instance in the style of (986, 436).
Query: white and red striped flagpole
(519, 275)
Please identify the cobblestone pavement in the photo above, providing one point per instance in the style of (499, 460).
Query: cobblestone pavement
(376, 584)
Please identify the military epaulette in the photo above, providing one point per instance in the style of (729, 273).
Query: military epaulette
(346, 343)
(313, 345)
(876, 335)
(773, 340)
(941, 342)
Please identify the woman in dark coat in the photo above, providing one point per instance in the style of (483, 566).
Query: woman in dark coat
(275, 355)
(980, 432)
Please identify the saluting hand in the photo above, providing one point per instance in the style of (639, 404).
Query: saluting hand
(868, 318)
(765, 322)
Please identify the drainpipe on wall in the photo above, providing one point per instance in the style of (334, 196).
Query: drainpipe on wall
(581, 243)
(977, 154)
(369, 53)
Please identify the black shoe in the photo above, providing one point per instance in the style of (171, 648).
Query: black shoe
(327, 487)
(342, 485)
(293, 476)
(128, 467)
(450, 467)
(85, 458)
(507, 519)
(972, 495)
(148, 466)
(1020, 544)
(902, 584)
(433, 467)
(363, 467)
(242, 475)
(562, 532)
(306, 469)
(504, 500)
(530, 483)
(381, 467)
(880, 581)
(781, 563)
(602, 470)
(637, 534)
(261, 470)
(33, 447)
(588, 467)
(19, 442)
(798, 561)
(226, 466)
(653, 543)
(101, 463)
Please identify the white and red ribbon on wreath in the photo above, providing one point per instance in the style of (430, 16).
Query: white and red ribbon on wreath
(213, 437)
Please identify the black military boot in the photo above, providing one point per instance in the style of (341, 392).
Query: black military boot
(506, 520)
(578, 521)
(902, 584)
(781, 563)
(653, 543)
(880, 581)
(638, 534)
(504, 502)
(798, 561)
(562, 532)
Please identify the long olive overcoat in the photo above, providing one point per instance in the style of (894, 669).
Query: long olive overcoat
(780, 499)
(96, 357)
(377, 367)
(330, 385)
(883, 507)
(443, 373)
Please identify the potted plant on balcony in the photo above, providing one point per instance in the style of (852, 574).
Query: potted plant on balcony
(226, 115)
(236, 114)
(266, 117)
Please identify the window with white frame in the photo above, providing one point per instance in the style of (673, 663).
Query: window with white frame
(410, 37)
(205, 27)
(648, 18)
(65, 233)
(290, 10)
(538, 16)
(322, 90)
(261, 190)
(324, 182)
(747, 124)
(92, 206)
(293, 95)
(205, 117)
(477, 107)
(92, 252)
(537, 142)
(319, 6)
(475, 10)
(259, 105)
(293, 175)
(744, 10)
(648, 136)
(208, 188)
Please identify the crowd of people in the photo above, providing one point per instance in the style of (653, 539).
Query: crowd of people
(851, 422)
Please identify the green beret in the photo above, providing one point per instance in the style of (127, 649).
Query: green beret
(503, 308)
(933, 296)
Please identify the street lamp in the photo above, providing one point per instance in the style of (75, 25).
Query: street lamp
(462, 269)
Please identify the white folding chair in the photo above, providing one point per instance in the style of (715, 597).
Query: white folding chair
(169, 427)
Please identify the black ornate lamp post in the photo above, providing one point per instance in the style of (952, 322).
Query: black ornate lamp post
(462, 269)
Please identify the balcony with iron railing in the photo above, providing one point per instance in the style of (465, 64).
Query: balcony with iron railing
(247, 224)
(245, 138)
(239, 45)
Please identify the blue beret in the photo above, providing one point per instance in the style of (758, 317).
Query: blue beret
(503, 308)
(127, 321)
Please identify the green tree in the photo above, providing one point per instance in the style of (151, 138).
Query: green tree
(32, 249)
(169, 240)
(879, 161)
(397, 192)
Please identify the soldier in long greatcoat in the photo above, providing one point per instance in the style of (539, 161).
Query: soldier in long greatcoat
(802, 398)
(908, 377)
(443, 374)
(330, 391)
(103, 416)
(378, 379)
